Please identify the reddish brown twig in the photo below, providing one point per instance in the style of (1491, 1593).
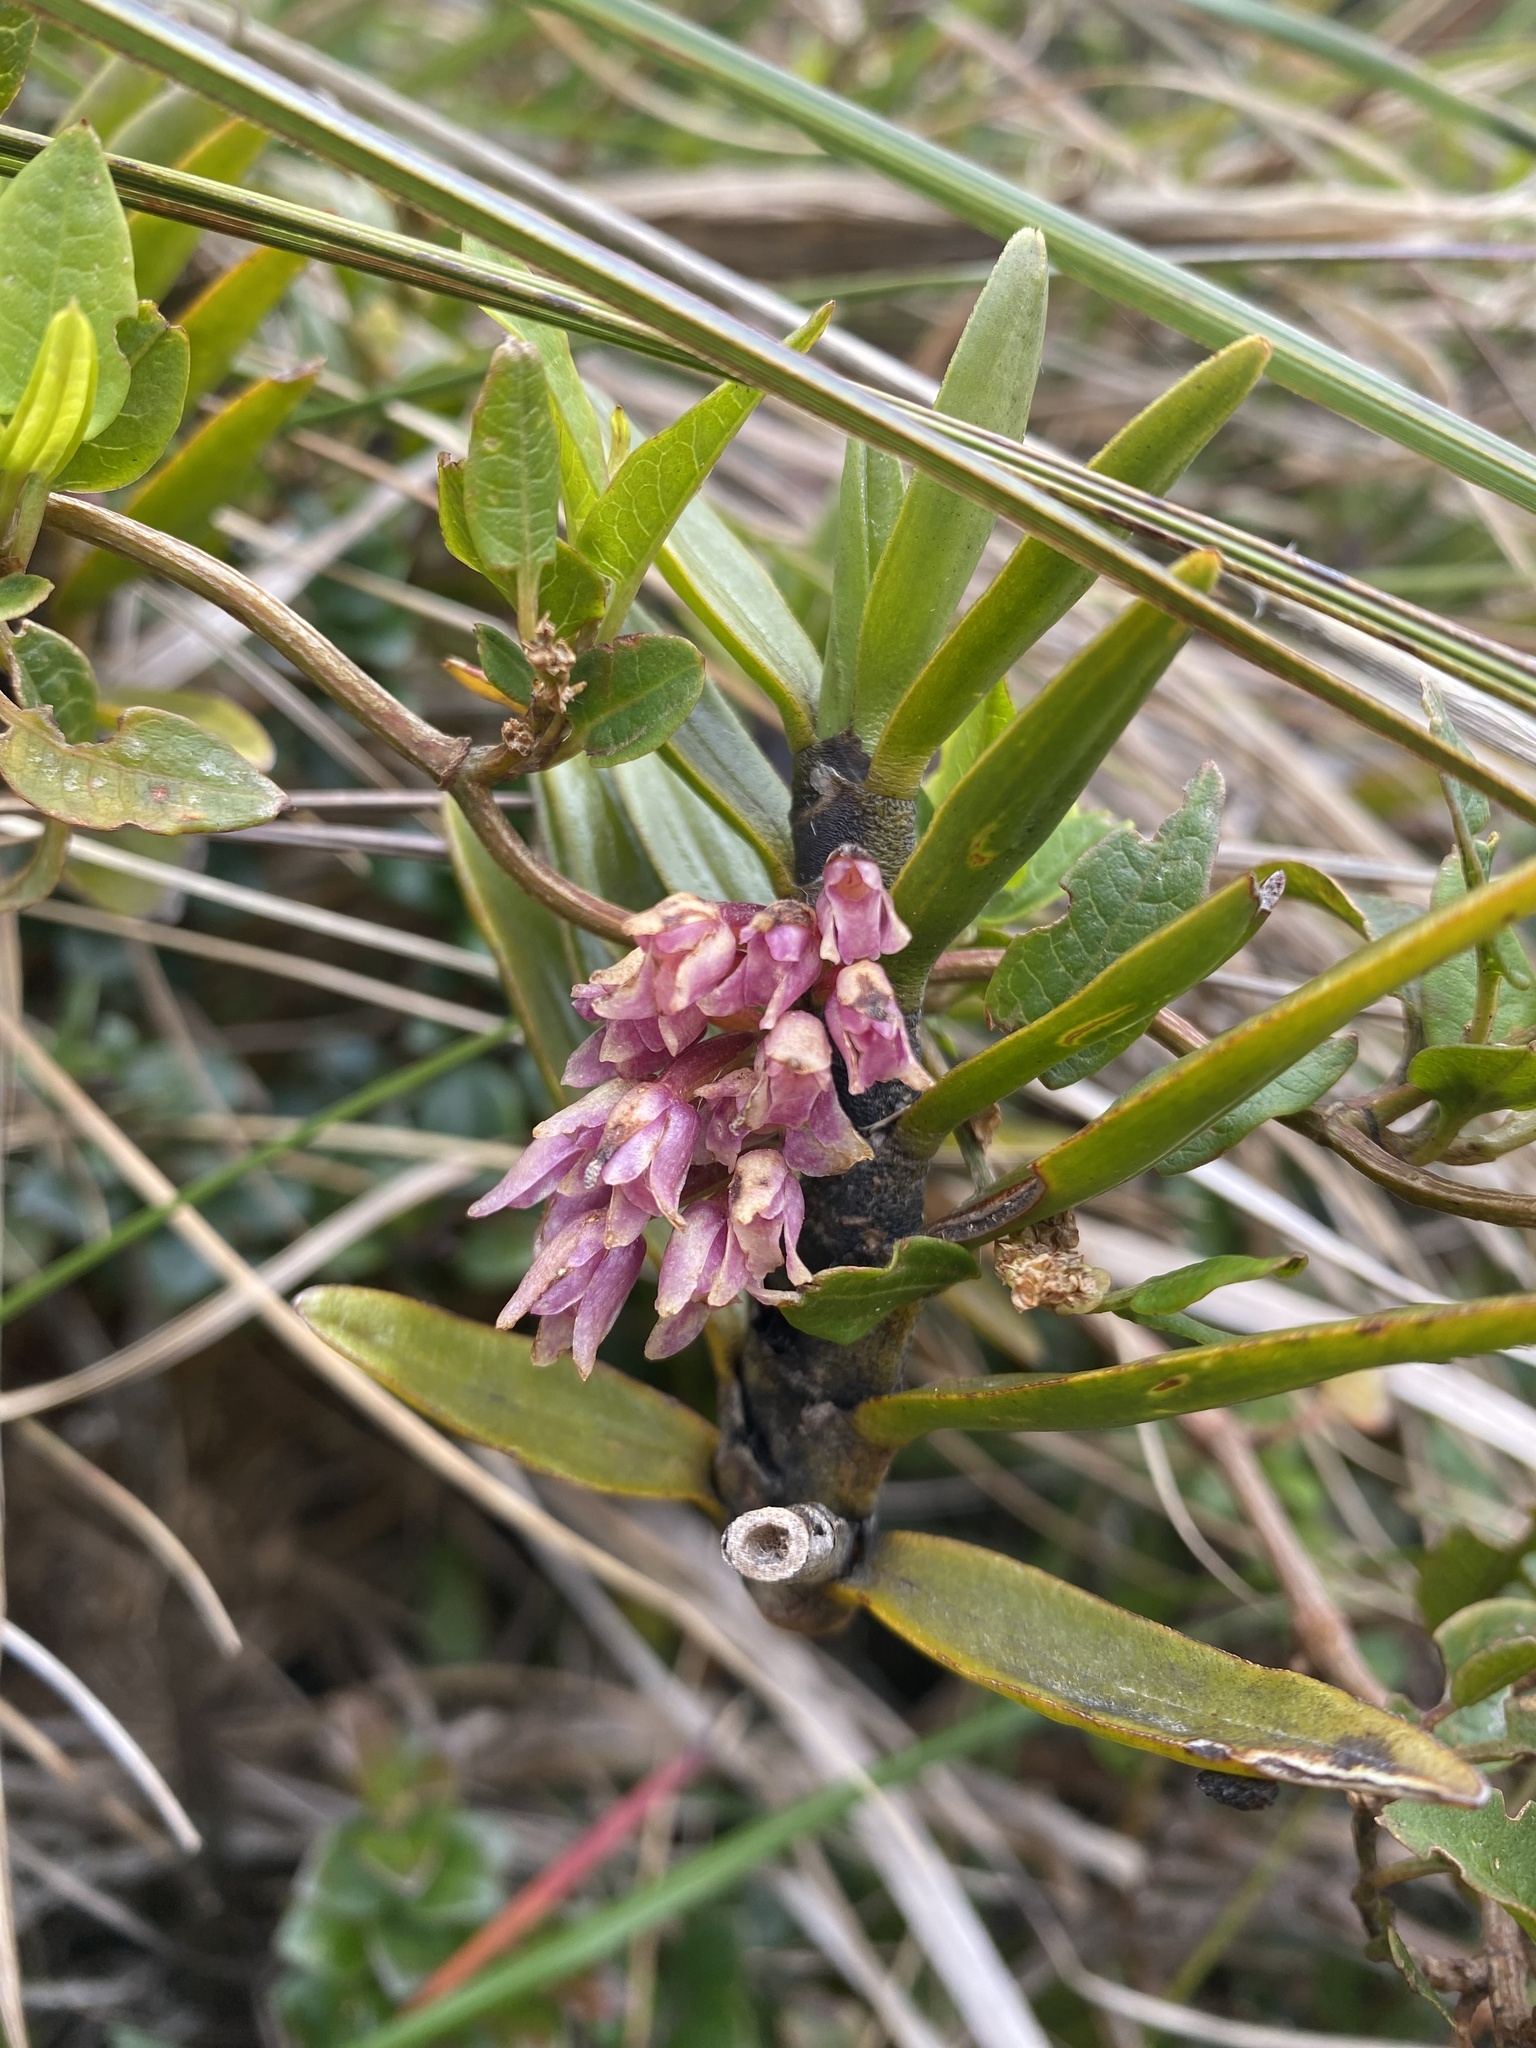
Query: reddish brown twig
(559, 1878)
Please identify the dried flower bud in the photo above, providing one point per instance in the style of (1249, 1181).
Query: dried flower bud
(868, 1030)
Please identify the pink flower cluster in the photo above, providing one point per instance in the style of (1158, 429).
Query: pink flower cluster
(712, 1092)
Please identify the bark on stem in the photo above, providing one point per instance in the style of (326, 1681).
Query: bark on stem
(785, 1406)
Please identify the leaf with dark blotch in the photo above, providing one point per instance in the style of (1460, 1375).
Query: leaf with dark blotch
(635, 693)
(1165, 1294)
(1295, 1090)
(1080, 1660)
(158, 770)
(1212, 1376)
(1021, 788)
(844, 1303)
(53, 674)
(1462, 1567)
(21, 593)
(1486, 1647)
(1495, 1855)
(141, 432)
(527, 943)
(610, 1431)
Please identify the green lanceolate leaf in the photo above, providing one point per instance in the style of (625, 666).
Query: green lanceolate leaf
(1167, 1294)
(609, 1432)
(527, 943)
(1167, 1109)
(588, 831)
(512, 475)
(625, 529)
(1295, 1090)
(691, 845)
(1496, 1855)
(1476, 1080)
(1080, 1660)
(504, 664)
(635, 693)
(1212, 1376)
(63, 237)
(162, 248)
(938, 538)
(725, 587)
(1119, 1000)
(157, 393)
(721, 762)
(20, 594)
(157, 770)
(223, 318)
(53, 674)
(1487, 1647)
(867, 507)
(1463, 1568)
(1122, 891)
(583, 468)
(18, 32)
(1026, 781)
(844, 1303)
(226, 721)
(1037, 586)
(203, 474)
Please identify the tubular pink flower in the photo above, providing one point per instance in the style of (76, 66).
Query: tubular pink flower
(701, 1268)
(561, 1148)
(779, 963)
(854, 910)
(723, 1105)
(767, 1209)
(576, 1286)
(794, 1090)
(690, 946)
(633, 1050)
(647, 1149)
(867, 1029)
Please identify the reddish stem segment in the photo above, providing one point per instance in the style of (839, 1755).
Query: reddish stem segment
(558, 1879)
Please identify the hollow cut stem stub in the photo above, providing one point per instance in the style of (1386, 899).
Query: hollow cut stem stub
(804, 1544)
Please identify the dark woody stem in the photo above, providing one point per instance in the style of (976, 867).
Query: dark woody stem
(786, 1433)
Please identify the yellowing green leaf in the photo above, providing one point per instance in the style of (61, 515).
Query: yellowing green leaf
(1078, 1659)
(223, 318)
(162, 247)
(1211, 1376)
(610, 1432)
(844, 1303)
(157, 770)
(228, 722)
(1496, 1855)
(63, 236)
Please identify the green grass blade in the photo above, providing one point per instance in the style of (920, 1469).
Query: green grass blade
(388, 1088)
(702, 1876)
(1372, 63)
(1128, 275)
(741, 352)
(1214, 1376)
